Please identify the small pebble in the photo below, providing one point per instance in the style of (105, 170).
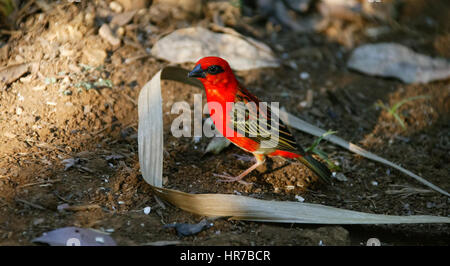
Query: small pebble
(303, 104)
(66, 80)
(147, 210)
(89, 18)
(293, 65)
(61, 207)
(116, 7)
(19, 110)
(38, 221)
(50, 80)
(106, 33)
(304, 75)
(120, 31)
(299, 198)
(141, 12)
(340, 177)
(86, 109)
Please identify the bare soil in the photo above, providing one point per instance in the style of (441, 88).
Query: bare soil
(48, 116)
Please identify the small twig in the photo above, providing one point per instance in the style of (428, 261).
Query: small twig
(9, 32)
(133, 43)
(134, 58)
(24, 8)
(34, 205)
(82, 207)
(105, 128)
(130, 99)
(133, 124)
(61, 198)
(160, 203)
(85, 169)
(3, 202)
(406, 191)
(46, 146)
(39, 183)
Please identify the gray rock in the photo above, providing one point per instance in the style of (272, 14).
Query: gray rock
(191, 44)
(397, 61)
(74, 236)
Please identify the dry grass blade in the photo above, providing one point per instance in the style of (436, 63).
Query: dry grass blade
(150, 140)
(246, 208)
(150, 135)
(299, 124)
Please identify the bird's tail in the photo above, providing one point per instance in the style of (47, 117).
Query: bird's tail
(317, 167)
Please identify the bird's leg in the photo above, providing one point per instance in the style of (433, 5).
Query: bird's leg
(260, 158)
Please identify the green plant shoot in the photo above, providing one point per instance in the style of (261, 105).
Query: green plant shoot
(313, 149)
(393, 110)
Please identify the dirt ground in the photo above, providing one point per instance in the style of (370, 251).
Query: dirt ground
(81, 104)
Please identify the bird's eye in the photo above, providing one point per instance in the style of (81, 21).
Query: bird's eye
(214, 69)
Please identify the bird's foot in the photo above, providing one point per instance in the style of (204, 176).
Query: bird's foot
(229, 178)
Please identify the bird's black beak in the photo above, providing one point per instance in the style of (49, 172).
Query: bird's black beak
(197, 72)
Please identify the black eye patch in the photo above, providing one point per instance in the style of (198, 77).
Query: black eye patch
(214, 69)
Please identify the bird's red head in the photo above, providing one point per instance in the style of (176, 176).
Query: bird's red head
(213, 70)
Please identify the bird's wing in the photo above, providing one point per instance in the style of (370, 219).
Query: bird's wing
(257, 122)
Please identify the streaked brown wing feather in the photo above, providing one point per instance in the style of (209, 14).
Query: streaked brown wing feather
(246, 120)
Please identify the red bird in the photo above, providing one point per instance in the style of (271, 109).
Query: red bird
(222, 88)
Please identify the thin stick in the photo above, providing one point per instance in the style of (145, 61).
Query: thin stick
(82, 207)
(39, 183)
(34, 205)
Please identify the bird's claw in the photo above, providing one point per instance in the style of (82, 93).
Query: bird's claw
(228, 178)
